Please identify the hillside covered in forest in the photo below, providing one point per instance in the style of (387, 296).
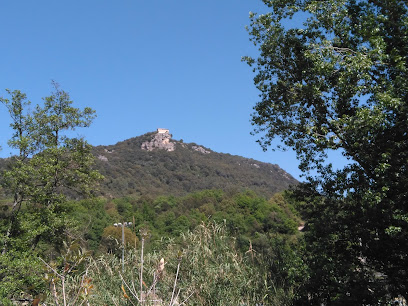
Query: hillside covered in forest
(154, 163)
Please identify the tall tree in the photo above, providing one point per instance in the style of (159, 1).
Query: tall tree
(49, 165)
(339, 82)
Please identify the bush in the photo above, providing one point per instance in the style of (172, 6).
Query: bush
(112, 239)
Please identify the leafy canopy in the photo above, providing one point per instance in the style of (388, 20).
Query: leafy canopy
(340, 82)
(49, 166)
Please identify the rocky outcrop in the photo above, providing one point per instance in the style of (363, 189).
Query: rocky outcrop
(200, 149)
(161, 141)
(102, 158)
(143, 166)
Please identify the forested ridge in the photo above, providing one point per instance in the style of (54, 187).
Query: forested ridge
(130, 170)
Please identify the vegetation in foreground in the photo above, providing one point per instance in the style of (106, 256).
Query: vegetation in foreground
(338, 82)
(255, 239)
(203, 267)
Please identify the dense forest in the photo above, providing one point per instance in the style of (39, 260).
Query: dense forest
(130, 170)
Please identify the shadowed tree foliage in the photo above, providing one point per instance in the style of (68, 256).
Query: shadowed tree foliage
(339, 83)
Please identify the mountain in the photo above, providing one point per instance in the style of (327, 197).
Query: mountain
(155, 164)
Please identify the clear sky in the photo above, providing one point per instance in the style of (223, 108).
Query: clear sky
(141, 65)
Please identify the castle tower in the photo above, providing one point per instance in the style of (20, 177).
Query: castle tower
(162, 131)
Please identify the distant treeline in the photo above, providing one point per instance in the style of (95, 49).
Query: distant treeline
(247, 216)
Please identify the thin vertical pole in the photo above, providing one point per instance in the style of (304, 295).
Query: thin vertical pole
(123, 247)
(134, 230)
(141, 272)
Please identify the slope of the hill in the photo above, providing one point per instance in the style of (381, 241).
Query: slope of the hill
(155, 164)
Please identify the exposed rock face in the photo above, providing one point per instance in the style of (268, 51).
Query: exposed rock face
(201, 149)
(161, 141)
(102, 158)
(143, 166)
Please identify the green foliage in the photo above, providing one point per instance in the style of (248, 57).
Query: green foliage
(21, 274)
(112, 239)
(211, 272)
(263, 234)
(213, 268)
(129, 170)
(245, 214)
(280, 258)
(49, 165)
(339, 82)
(90, 218)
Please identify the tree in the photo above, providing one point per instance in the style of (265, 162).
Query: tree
(49, 166)
(340, 83)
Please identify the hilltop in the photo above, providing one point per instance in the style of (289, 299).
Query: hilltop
(156, 164)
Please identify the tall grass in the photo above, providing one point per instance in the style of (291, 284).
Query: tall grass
(202, 267)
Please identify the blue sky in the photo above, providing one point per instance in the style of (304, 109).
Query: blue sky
(141, 65)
